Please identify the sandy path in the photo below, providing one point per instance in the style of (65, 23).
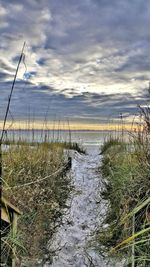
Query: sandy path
(71, 239)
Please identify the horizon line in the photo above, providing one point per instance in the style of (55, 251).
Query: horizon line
(76, 126)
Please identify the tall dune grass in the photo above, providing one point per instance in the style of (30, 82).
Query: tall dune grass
(125, 230)
(35, 180)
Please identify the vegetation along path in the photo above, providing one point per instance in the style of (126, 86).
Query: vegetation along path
(70, 244)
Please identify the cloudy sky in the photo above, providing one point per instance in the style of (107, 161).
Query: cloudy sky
(84, 61)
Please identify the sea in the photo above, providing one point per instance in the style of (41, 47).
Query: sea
(84, 138)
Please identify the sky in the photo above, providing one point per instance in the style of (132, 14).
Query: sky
(85, 62)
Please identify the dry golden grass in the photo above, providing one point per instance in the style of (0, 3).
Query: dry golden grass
(35, 180)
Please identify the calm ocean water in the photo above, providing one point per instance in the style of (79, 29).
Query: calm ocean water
(81, 137)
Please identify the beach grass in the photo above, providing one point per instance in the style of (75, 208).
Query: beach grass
(125, 229)
(35, 180)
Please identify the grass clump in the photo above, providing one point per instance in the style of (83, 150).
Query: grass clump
(111, 142)
(67, 145)
(63, 145)
(125, 230)
(35, 180)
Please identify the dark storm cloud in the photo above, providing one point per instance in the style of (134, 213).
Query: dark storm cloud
(88, 59)
(36, 102)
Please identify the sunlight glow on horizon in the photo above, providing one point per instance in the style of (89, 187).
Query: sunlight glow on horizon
(39, 125)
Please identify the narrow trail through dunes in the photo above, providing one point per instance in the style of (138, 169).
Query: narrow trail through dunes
(70, 242)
